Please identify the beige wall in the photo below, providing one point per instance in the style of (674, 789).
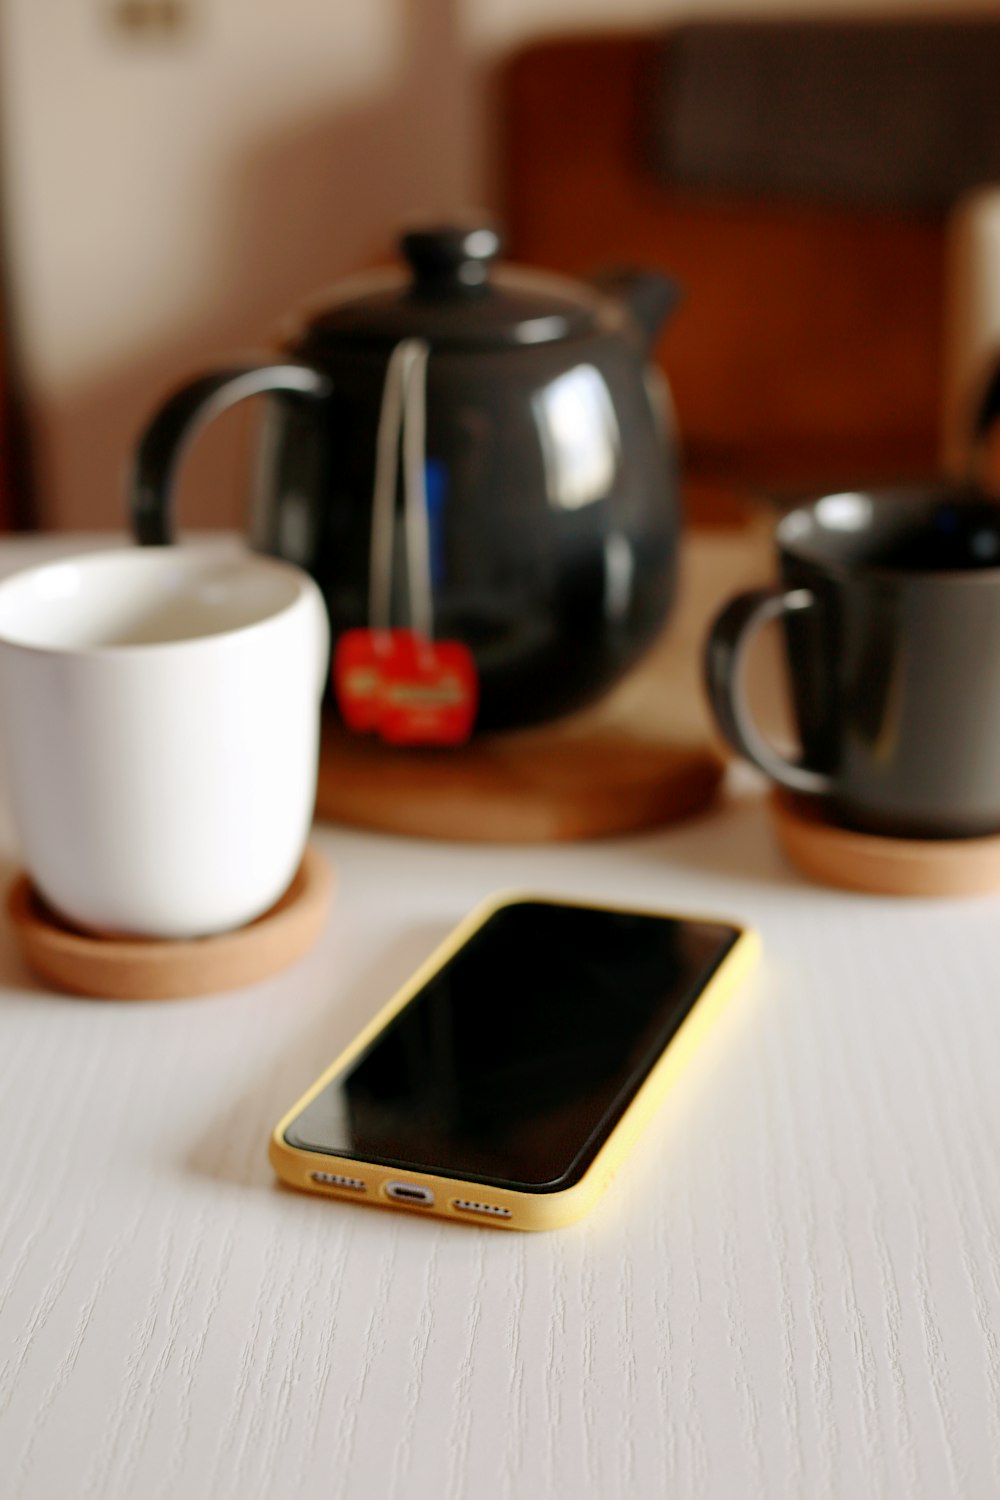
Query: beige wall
(167, 202)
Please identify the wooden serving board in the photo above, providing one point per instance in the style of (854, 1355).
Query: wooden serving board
(642, 757)
(515, 788)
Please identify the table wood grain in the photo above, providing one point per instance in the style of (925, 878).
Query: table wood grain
(791, 1289)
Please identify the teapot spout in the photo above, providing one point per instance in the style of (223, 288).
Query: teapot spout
(649, 296)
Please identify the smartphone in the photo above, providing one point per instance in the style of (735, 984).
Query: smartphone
(507, 1080)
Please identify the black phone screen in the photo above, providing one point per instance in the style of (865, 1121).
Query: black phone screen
(513, 1063)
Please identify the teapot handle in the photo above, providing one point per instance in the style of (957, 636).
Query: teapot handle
(986, 413)
(167, 434)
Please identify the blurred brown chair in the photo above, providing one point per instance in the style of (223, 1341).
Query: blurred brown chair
(16, 507)
(808, 350)
(5, 456)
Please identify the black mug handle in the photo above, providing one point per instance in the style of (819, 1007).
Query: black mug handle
(167, 434)
(725, 661)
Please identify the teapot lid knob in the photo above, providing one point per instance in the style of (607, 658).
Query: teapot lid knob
(451, 258)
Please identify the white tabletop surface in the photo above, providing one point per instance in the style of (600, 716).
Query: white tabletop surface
(792, 1288)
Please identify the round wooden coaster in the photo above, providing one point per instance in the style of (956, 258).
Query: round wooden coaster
(884, 866)
(639, 758)
(149, 969)
(517, 788)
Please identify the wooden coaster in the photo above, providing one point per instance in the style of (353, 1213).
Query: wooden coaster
(884, 866)
(150, 969)
(639, 758)
(514, 789)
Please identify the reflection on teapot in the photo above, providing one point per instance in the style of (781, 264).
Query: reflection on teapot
(532, 501)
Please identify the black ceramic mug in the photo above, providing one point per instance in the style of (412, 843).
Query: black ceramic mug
(891, 608)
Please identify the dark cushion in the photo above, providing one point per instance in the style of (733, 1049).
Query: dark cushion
(887, 114)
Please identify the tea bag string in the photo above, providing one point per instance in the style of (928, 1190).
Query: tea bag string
(402, 421)
(416, 523)
(384, 494)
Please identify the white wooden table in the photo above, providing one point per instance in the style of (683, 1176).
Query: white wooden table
(793, 1289)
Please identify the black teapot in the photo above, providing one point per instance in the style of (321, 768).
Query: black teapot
(478, 455)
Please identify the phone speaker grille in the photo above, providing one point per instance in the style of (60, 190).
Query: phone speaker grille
(467, 1206)
(335, 1179)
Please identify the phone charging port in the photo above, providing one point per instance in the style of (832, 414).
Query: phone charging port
(409, 1192)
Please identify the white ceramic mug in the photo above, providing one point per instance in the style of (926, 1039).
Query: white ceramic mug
(159, 714)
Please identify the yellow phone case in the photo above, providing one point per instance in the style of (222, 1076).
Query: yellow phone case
(477, 1203)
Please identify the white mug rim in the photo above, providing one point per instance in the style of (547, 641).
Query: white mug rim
(153, 558)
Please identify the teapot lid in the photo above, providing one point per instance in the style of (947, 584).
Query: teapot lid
(454, 297)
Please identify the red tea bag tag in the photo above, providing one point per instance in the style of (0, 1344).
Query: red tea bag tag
(429, 692)
(359, 660)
